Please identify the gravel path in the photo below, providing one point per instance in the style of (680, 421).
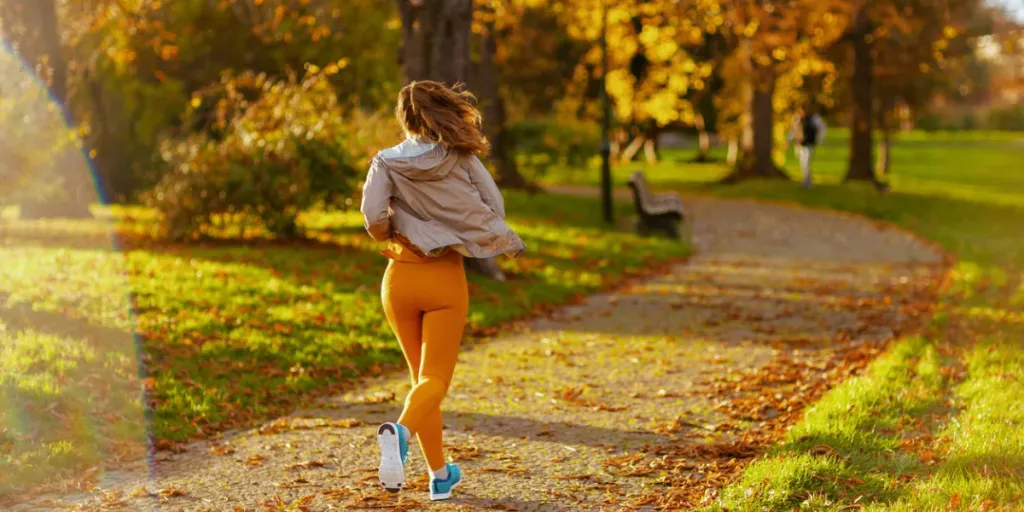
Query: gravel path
(554, 418)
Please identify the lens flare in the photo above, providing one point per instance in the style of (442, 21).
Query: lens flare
(72, 387)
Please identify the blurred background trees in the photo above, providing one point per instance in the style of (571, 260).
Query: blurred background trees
(177, 100)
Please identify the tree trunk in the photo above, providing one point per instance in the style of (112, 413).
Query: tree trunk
(885, 110)
(651, 145)
(633, 148)
(703, 140)
(747, 132)
(862, 96)
(733, 156)
(764, 126)
(758, 163)
(493, 106)
(435, 39)
(33, 27)
(49, 42)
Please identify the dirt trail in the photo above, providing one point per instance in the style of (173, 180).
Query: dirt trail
(575, 413)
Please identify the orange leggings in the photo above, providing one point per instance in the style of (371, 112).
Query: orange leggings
(426, 301)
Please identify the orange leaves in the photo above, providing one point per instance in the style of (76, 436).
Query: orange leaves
(169, 52)
(923, 446)
(221, 449)
(170, 492)
(171, 446)
(277, 504)
(574, 396)
(635, 464)
(954, 502)
(289, 424)
(379, 398)
(460, 453)
(569, 394)
(309, 464)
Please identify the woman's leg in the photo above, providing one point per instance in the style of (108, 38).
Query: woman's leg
(406, 321)
(804, 153)
(408, 328)
(442, 335)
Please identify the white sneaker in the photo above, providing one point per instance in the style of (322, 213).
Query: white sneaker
(394, 452)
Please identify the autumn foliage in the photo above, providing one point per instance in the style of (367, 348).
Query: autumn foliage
(267, 150)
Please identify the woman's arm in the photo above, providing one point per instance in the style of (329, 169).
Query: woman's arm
(484, 183)
(377, 201)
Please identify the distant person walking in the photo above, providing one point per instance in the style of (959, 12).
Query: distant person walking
(808, 132)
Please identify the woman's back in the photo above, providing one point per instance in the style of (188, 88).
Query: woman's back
(436, 198)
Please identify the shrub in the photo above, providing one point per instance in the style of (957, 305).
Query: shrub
(542, 144)
(1010, 118)
(267, 150)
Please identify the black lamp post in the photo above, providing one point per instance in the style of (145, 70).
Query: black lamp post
(606, 143)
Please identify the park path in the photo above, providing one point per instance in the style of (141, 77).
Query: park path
(650, 395)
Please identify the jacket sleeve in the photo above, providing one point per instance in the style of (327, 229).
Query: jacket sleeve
(484, 183)
(377, 202)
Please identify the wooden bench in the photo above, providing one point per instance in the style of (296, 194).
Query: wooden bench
(657, 212)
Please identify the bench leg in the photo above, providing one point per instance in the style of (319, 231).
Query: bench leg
(672, 229)
(642, 228)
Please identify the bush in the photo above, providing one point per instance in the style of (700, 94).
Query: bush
(539, 145)
(1010, 118)
(267, 150)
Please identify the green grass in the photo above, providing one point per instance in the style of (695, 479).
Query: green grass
(229, 333)
(937, 423)
(983, 167)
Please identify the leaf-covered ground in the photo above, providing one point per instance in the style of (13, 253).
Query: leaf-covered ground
(652, 396)
(223, 334)
(936, 422)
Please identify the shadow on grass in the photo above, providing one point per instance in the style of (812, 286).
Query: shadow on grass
(987, 465)
(21, 316)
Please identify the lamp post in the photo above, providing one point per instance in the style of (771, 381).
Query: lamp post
(606, 143)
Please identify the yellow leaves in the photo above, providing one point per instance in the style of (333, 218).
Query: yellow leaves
(663, 107)
(678, 84)
(751, 29)
(334, 67)
(651, 36)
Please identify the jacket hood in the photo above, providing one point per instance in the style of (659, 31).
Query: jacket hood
(421, 160)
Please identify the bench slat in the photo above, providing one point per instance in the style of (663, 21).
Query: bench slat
(654, 204)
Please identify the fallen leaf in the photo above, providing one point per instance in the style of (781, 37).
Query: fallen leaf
(170, 492)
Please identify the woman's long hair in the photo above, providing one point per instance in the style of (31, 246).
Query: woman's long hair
(435, 112)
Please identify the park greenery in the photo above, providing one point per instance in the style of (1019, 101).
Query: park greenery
(225, 278)
(149, 87)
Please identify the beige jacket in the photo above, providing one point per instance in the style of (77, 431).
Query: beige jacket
(436, 198)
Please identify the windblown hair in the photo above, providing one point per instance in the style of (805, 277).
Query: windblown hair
(433, 111)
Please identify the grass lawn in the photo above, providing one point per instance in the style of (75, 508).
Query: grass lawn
(937, 423)
(224, 334)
